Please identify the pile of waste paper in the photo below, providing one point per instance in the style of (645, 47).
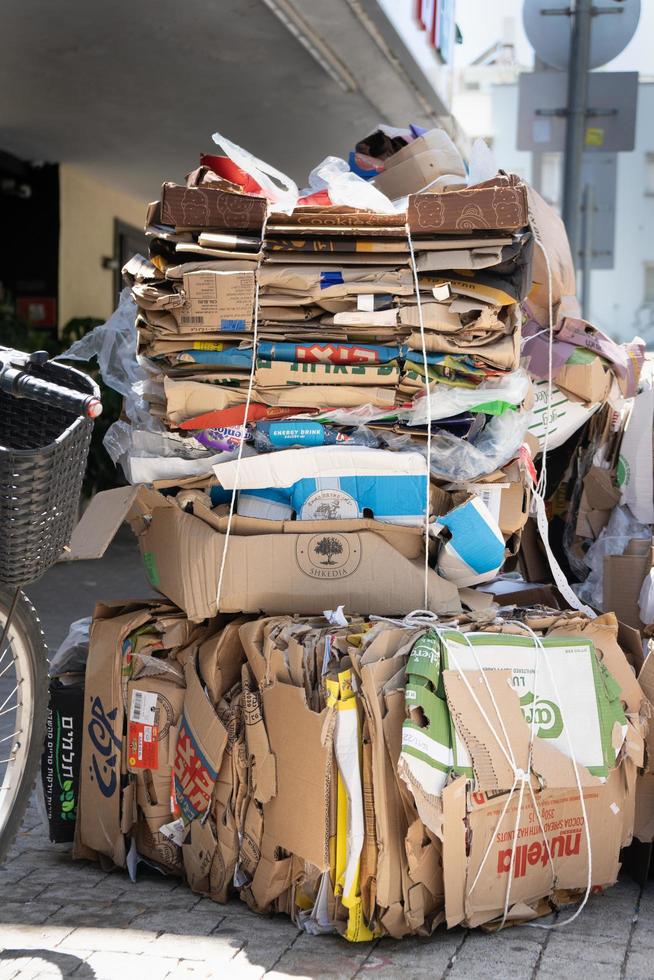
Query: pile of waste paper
(396, 496)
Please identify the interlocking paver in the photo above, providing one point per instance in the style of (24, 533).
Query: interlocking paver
(130, 965)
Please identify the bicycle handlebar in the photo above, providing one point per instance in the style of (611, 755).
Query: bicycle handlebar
(21, 383)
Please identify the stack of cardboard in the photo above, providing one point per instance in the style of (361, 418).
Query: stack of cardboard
(362, 777)
(289, 392)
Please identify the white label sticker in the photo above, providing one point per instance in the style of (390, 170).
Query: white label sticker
(143, 708)
(174, 831)
(491, 496)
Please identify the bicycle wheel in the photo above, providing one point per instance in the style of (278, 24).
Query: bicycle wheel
(23, 706)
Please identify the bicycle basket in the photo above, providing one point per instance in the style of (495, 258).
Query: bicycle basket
(43, 453)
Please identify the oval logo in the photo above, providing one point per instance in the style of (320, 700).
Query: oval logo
(327, 555)
(329, 505)
(164, 717)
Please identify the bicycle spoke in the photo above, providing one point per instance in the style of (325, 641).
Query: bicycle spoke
(13, 735)
(13, 707)
(3, 672)
(9, 696)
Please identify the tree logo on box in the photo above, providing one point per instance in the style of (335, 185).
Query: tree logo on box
(328, 547)
(328, 555)
(544, 714)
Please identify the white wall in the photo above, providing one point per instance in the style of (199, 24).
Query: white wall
(616, 295)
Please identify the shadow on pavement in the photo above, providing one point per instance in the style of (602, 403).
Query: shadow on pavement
(65, 962)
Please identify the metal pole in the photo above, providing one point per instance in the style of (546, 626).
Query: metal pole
(576, 121)
(588, 208)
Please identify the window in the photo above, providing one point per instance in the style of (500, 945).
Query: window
(649, 283)
(649, 173)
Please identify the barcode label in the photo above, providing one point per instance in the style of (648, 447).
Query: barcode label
(192, 320)
(143, 709)
(491, 497)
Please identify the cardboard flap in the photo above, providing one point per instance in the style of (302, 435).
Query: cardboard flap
(263, 770)
(200, 746)
(297, 817)
(454, 850)
(100, 522)
(493, 771)
(198, 855)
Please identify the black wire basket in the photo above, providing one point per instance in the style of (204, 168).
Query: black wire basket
(43, 453)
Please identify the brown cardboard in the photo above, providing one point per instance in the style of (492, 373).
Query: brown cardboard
(413, 173)
(209, 207)
(295, 818)
(182, 555)
(531, 879)
(533, 563)
(601, 490)
(99, 825)
(551, 231)
(201, 742)
(644, 814)
(220, 659)
(217, 301)
(623, 578)
(497, 204)
(590, 382)
(500, 700)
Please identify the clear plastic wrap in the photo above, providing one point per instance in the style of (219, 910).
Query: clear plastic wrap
(449, 400)
(346, 188)
(462, 461)
(613, 540)
(114, 345)
(71, 656)
(482, 164)
(277, 187)
(446, 402)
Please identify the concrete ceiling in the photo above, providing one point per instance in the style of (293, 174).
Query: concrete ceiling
(133, 89)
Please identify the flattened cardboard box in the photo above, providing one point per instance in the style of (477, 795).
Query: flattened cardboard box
(99, 829)
(498, 204)
(210, 207)
(531, 875)
(623, 578)
(270, 566)
(217, 301)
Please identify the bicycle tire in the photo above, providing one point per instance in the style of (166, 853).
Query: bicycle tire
(28, 644)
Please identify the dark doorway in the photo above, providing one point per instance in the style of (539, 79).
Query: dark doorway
(29, 245)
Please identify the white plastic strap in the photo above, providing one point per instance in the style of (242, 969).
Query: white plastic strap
(255, 347)
(428, 398)
(562, 584)
(550, 329)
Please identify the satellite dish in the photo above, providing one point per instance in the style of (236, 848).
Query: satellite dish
(550, 34)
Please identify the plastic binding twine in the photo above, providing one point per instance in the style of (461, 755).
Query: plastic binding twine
(538, 491)
(428, 397)
(255, 344)
(522, 777)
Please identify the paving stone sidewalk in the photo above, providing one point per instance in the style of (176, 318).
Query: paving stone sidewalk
(65, 918)
(70, 919)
